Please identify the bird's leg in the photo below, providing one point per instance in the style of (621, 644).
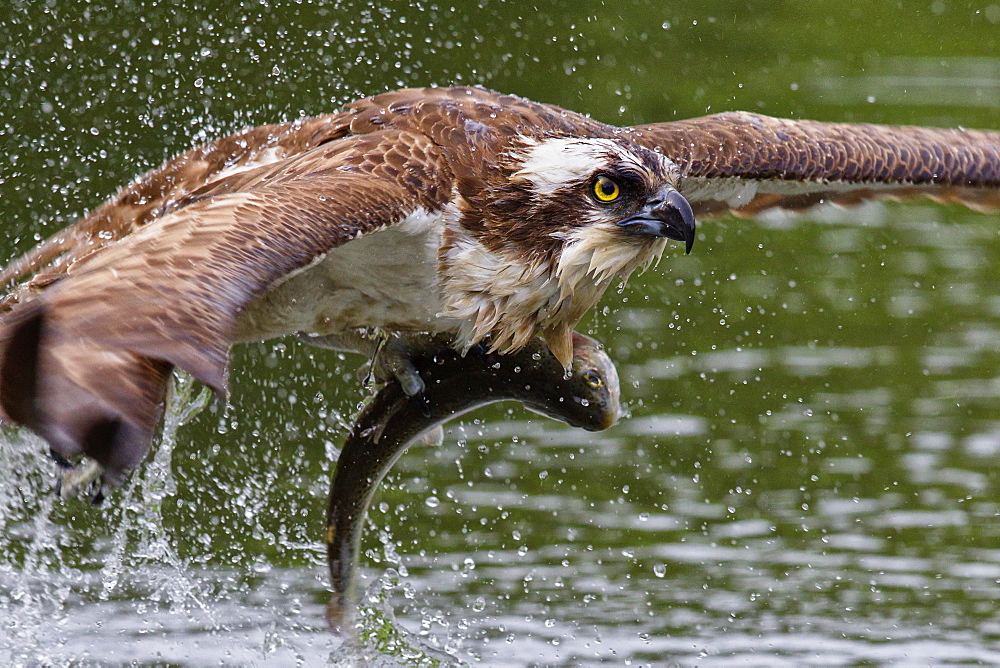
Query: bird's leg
(391, 354)
(394, 359)
(361, 341)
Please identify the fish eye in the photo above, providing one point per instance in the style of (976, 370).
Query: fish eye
(592, 379)
(605, 189)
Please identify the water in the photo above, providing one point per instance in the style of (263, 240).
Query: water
(808, 474)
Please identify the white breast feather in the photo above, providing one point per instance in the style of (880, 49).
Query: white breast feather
(489, 294)
(595, 255)
(387, 278)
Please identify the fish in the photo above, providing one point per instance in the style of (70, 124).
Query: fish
(587, 396)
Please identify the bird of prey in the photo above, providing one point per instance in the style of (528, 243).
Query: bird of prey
(458, 211)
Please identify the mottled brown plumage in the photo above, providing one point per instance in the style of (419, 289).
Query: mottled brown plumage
(250, 235)
(855, 161)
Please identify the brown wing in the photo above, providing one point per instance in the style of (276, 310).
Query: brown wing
(746, 163)
(159, 190)
(450, 116)
(85, 362)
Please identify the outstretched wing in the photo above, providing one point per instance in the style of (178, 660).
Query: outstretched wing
(158, 191)
(745, 163)
(85, 362)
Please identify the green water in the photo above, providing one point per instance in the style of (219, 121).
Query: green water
(809, 471)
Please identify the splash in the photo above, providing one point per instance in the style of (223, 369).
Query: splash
(140, 537)
(46, 558)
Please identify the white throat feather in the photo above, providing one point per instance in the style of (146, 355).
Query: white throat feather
(512, 300)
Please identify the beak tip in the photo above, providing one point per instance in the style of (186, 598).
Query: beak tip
(671, 217)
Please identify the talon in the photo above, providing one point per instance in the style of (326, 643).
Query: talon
(73, 480)
(410, 381)
(364, 373)
(394, 359)
(60, 461)
(100, 493)
(423, 405)
(479, 349)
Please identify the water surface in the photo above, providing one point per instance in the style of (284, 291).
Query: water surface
(809, 471)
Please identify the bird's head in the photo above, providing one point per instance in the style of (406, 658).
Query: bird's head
(612, 206)
(563, 219)
(572, 187)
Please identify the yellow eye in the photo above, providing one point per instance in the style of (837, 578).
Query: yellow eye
(592, 379)
(605, 189)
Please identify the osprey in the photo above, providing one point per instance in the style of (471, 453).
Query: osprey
(459, 211)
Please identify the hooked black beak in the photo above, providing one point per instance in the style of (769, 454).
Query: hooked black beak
(668, 215)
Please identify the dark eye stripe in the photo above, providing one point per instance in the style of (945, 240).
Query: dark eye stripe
(629, 179)
(629, 174)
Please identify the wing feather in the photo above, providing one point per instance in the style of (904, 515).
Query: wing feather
(746, 163)
(169, 294)
(160, 190)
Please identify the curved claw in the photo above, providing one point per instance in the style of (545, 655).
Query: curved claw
(394, 359)
(410, 381)
(85, 477)
(423, 405)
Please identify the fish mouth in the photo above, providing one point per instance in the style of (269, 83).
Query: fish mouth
(668, 215)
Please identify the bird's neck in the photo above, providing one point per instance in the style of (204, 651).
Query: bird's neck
(513, 297)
